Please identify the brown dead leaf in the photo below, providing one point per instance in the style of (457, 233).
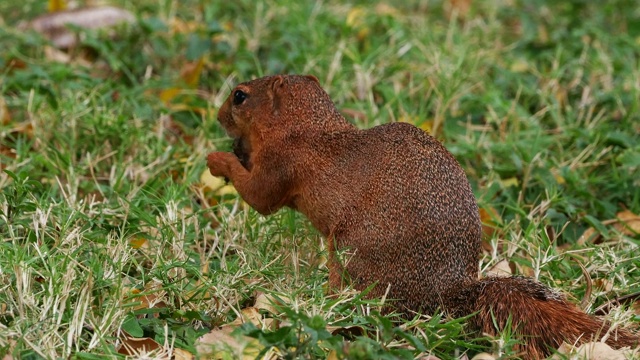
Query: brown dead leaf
(7, 146)
(633, 299)
(592, 351)
(54, 25)
(138, 242)
(383, 9)
(136, 346)
(180, 354)
(9, 346)
(5, 115)
(181, 26)
(457, 8)
(603, 285)
(490, 220)
(55, 55)
(483, 356)
(347, 331)
(248, 315)
(191, 71)
(625, 222)
(265, 302)
(501, 269)
(149, 299)
(222, 344)
(629, 223)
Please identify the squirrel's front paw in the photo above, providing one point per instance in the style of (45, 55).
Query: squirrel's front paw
(219, 163)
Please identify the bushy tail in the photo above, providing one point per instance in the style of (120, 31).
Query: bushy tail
(540, 317)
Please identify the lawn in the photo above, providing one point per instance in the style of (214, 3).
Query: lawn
(113, 236)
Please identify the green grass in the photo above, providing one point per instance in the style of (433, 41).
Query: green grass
(538, 100)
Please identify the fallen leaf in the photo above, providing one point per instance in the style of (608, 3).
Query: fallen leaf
(501, 269)
(54, 25)
(629, 223)
(180, 354)
(211, 182)
(592, 351)
(191, 71)
(490, 220)
(57, 5)
(248, 314)
(136, 346)
(5, 115)
(265, 302)
(138, 242)
(151, 297)
(9, 346)
(226, 190)
(386, 9)
(458, 8)
(222, 344)
(483, 356)
(333, 355)
(634, 299)
(626, 222)
(354, 16)
(558, 176)
(603, 285)
(55, 55)
(512, 181)
(347, 331)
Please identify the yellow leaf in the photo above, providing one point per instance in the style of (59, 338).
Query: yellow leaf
(362, 33)
(137, 243)
(354, 17)
(333, 355)
(57, 5)
(211, 182)
(226, 190)
(559, 178)
(427, 126)
(512, 181)
(191, 72)
(519, 66)
(167, 95)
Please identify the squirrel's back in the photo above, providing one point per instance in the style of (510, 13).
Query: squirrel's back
(392, 172)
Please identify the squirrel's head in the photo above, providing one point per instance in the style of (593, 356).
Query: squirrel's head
(277, 102)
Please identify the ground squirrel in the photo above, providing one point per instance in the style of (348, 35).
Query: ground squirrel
(396, 200)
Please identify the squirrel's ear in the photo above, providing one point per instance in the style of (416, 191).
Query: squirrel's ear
(311, 77)
(277, 87)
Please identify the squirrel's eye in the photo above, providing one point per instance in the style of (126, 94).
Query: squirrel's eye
(238, 97)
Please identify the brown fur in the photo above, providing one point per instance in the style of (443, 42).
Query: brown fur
(391, 197)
